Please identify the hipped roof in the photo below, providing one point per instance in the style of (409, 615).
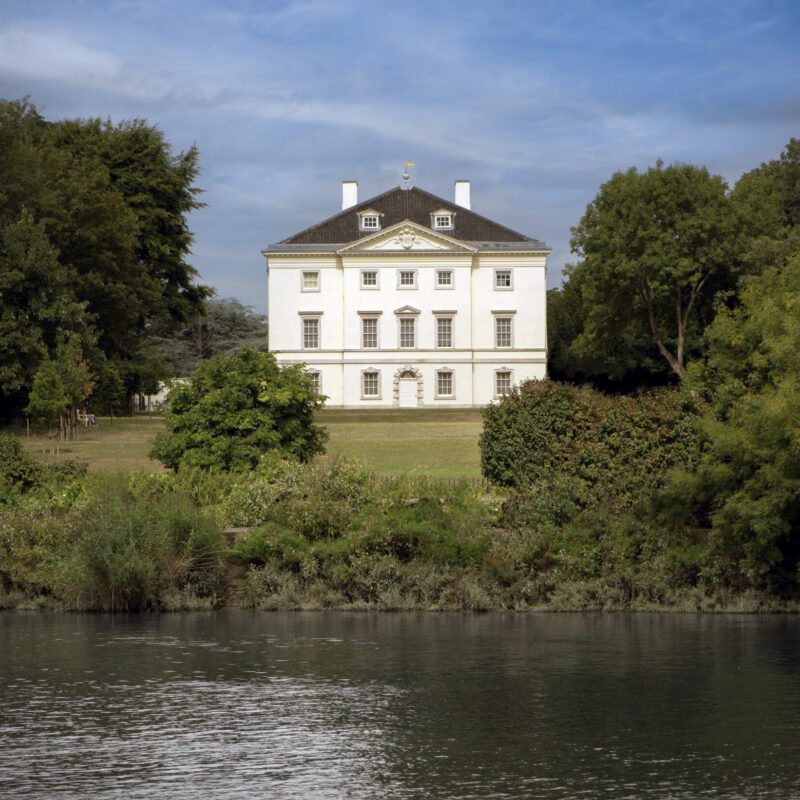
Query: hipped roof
(416, 205)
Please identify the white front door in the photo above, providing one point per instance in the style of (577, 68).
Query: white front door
(408, 392)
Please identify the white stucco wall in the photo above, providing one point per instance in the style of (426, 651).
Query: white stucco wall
(341, 302)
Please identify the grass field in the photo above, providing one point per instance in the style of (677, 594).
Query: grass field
(120, 445)
(440, 443)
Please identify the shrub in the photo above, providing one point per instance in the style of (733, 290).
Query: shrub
(618, 448)
(17, 468)
(235, 409)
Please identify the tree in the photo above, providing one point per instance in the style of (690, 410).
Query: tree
(747, 485)
(49, 397)
(78, 379)
(235, 409)
(39, 308)
(627, 363)
(224, 328)
(655, 247)
(766, 202)
(112, 202)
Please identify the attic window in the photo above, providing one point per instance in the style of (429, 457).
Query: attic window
(369, 220)
(442, 221)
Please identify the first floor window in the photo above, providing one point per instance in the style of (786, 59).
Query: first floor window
(502, 279)
(311, 334)
(502, 382)
(444, 331)
(502, 332)
(311, 281)
(444, 383)
(369, 332)
(316, 381)
(408, 331)
(370, 385)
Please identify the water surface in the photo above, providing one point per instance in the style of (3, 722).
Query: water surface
(316, 705)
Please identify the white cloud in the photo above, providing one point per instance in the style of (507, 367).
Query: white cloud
(42, 55)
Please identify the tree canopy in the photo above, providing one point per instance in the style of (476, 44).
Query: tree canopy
(93, 232)
(233, 410)
(225, 327)
(655, 246)
(747, 485)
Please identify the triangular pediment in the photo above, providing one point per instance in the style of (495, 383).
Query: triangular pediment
(404, 237)
(406, 310)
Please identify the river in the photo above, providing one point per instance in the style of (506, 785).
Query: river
(361, 705)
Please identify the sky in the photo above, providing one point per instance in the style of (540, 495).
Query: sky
(537, 103)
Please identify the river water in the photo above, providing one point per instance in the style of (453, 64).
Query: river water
(340, 705)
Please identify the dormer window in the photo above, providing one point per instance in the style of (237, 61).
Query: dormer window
(442, 220)
(369, 221)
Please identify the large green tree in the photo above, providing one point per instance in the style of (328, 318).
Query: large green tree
(111, 200)
(747, 486)
(39, 309)
(225, 327)
(766, 203)
(655, 247)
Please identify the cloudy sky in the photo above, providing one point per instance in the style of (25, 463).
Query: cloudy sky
(536, 102)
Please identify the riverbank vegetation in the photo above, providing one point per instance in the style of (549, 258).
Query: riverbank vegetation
(330, 534)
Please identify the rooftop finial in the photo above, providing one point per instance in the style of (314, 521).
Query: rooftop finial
(406, 177)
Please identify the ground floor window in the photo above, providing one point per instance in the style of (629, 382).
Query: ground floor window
(502, 382)
(316, 380)
(444, 383)
(370, 383)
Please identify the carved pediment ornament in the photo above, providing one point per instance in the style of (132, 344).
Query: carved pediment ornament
(408, 239)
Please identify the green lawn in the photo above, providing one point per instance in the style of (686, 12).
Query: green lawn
(440, 443)
(121, 444)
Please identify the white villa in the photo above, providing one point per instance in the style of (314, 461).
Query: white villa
(409, 300)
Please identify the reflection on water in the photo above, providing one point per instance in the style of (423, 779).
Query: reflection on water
(240, 705)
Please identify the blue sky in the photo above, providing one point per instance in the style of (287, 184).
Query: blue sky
(537, 103)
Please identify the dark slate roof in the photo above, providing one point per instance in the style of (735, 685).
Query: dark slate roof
(416, 205)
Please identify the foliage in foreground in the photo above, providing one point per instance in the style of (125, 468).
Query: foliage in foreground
(326, 534)
(234, 409)
(612, 449)
(746, 487)
(92, 543)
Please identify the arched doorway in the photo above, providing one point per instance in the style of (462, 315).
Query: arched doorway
(408, 387)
